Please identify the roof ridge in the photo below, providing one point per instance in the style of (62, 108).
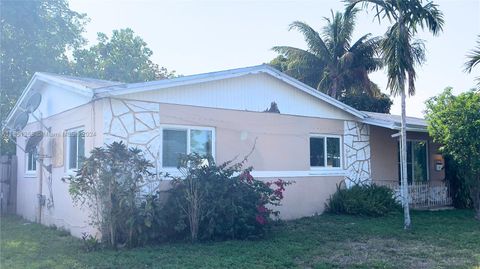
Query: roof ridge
(78, 77)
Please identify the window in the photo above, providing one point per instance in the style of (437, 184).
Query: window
(325, 152)
(32, 161)
(417, 164)
(178, 141)
(75, 148)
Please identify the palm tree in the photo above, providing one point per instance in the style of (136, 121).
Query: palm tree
(474, 59)
(401, 54)
(331, 63)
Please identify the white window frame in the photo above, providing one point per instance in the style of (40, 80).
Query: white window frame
(67, 148)
(29, 172)
(187, 128)
(326, 168)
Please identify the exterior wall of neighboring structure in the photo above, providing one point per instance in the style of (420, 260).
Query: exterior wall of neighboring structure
(384, 151)
(58, 209)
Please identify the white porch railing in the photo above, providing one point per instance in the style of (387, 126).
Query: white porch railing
(422, 195)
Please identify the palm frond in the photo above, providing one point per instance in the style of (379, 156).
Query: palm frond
(418, 51)
(313, 39)
(293, 53)
(473, 58)
(383, 9)
(427, 16)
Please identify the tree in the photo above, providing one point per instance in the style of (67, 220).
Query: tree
(380, 103)
(454, 122)
(331, 63)
(474, 59)
(35, 36)
(123, 57)
(401, 54)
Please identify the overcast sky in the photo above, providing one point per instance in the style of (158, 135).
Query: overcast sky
(194, 37)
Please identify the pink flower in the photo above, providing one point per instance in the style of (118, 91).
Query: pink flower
(260, 219)
(262, 209)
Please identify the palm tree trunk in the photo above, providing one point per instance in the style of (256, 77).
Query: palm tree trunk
(403, 164)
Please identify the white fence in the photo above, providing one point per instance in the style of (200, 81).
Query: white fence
(423, 195)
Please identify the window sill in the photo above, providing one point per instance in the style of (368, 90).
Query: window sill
(327, 171)
(30, 174)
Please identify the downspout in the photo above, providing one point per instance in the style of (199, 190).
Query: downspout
(40, 191)
(40, 178)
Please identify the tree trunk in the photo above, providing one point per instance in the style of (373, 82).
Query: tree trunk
(403, 164)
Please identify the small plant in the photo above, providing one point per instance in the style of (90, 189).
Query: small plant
(90, 243)
(363, 200)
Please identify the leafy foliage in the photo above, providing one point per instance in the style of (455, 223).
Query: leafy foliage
(90, 242)
(34, 37)
(473, 60)
(37, 36)
(333, 63)
(380, 103)
(363, 200)
(219, 202)
(459, 189)
(454, 122)
(123, 57)
(400, 52)
(112, 183)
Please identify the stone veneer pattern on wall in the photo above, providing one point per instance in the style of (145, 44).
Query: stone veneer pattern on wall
(134, 122)
(357, 151)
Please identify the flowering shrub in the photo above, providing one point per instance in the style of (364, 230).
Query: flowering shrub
(219, 202)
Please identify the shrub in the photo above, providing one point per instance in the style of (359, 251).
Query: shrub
(364, 200)
(219, 202)
(112, 183)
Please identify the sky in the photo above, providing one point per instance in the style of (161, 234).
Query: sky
(194, 37)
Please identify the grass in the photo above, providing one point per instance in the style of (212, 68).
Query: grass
(445, 239)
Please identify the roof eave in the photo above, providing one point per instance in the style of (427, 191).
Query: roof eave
(394, 126)
(38, 76)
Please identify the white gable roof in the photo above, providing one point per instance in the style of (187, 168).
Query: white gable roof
(88, 89)
(124, 89)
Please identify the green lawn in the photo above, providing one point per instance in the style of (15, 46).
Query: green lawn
(447, 239)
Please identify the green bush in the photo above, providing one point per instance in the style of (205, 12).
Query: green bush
(363, 200)
(111, 183)
(218, 202)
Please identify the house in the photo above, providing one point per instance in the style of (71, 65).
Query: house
(315, 140)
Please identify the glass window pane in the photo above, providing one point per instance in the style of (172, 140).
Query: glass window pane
(409, 151)
(201, 142)
(30, 162)
(72, 150)
(34, 159)
(81, 147)
(420, 161)
(317, 151)
(333, 152)
(174, 145)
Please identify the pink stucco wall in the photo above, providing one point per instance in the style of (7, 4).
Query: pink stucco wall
(384, 151)
(282, 145)
(282, 141)
(63, 214)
